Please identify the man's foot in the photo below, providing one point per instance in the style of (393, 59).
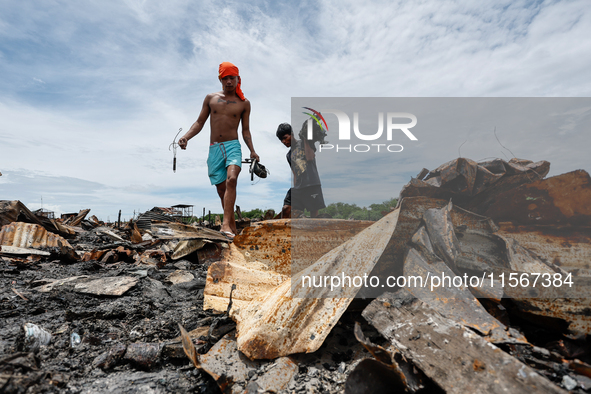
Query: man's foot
(228, 234)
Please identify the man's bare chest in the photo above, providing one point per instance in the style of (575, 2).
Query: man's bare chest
(228, 107)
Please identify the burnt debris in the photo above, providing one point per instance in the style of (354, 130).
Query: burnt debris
(157, 305)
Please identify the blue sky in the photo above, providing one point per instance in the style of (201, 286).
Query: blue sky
(92, 93)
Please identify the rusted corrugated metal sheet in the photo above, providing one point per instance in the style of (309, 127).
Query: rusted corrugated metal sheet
(4, 249)
(260, 258)
(251, 280)
(554, 236)
(65, 229)
(297, 319)
(267, 242)
(94, 255)
(475, 243)
(432, 245)
(27, 235)
(481, 249)
(12, 211)
(152, 216)
(270, 242)
(474, 185)
(552, 218)
(173, 230)
(76, 220)
(567, 247)
(456, 303)
(312, 238)
(560, 200)
(411, 210)
(187, 246)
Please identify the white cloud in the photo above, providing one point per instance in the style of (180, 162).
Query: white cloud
(96, 91)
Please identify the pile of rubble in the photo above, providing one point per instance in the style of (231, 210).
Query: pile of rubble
(166, 307)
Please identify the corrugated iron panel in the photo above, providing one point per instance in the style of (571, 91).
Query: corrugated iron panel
(312, 238)
(560, 200)
(409, 220)
(187, 246)
(297, 319)
(10, 211)
(270, 241)
(474, 185)
(567, 247)
(252, 280)
(499, 253)
(75, 221)
(27, 235)
(260, 258)
(173, 230)
(433, 244)
(144, 221)
(456, 303)
(4, 249)
(267, 242)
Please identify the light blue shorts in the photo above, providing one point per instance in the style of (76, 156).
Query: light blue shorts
(221, 155)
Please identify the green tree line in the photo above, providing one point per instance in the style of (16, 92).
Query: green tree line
(337, 210)
(341, 210)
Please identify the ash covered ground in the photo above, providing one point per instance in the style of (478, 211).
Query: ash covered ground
(92, 335)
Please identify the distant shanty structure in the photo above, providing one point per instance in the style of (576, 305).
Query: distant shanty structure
(179, 212)
(45, 213)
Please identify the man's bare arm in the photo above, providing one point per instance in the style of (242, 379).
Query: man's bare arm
(198, 125)
(246, 131)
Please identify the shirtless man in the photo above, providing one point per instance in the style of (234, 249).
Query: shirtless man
(227, 108)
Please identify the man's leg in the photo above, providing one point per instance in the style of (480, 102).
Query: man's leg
(229, 199)
(286, 210)
(312, 199)
(221, 189)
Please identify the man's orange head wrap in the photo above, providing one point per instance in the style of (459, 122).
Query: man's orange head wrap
(227, 68)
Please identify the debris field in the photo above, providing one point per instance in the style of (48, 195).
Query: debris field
(158, 306)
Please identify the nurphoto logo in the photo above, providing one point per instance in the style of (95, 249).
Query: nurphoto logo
(393, 126)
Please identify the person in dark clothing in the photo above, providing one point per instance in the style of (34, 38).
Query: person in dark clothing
(306, 192)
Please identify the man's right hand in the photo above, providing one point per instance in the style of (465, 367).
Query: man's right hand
(183, 143)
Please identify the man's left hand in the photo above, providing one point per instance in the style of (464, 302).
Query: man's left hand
(254, 156)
